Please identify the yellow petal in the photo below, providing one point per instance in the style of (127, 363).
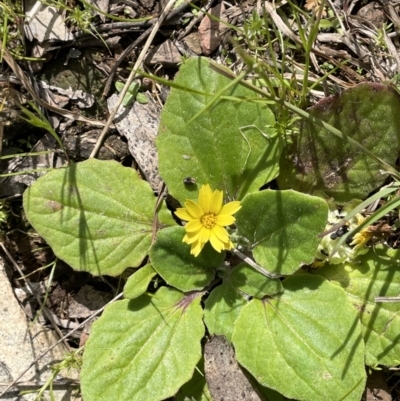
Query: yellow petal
(216, 243)
(205, 195)
(204, 235)
(228, 245)
(225, 219)
(216, 201)
(221, 233)
(196, 248)
(190, 238)
(231, 208)
(193, 209)
(193, 226)
(361, 238)
(182, 213)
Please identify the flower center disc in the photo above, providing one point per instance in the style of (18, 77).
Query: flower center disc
(208, 220)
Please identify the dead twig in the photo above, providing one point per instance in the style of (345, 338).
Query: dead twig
(161, 195)
(122, 57)
(131, 77)
(136, 43)
(254, 265)
(194, 21)
(387, 299)
(58, 384)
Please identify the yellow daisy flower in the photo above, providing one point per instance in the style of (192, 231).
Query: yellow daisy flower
(206, 220)
(361, 238)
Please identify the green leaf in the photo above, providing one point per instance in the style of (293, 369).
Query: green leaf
(233, 130)
(138, 282)
(325, 24)
(119, 86)
(142, 98)
(97, 216)
(283, 228)
(172, 260)
(222, 308)
(144, 349)
(375, 274)
(318, 160)
(196, 388)
(253, 283)
(128, 99)
(39, 121)
(133, 87)
(132, 93)
(306, 344)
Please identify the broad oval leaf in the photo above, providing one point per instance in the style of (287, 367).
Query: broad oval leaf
(282, 227)
(319, 160)
(253, 283)
(236, 131)
(96, 215)
(137, 283)
(144, 349)
(171, 259)
(222, 308)
(376, 274)
(306, 344)
(196, 388)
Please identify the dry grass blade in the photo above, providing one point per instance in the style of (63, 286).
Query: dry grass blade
(312, 4)
(255, 265)
(132, 76)
(322, 51)
(1, 138)
(387, 299)
(199, 16)
(122, 57)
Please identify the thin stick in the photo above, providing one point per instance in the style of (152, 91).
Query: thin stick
(121, 58)
(1, 137)
(387, 299)
(62, 383)
(31, 14)
(131, 77)
(194, 21)
(254, 265)
(161, 195)
(58, 342)
(134, 44)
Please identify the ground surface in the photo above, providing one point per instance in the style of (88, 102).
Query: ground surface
(75, 80)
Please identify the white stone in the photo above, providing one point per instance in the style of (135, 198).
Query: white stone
(21, 341)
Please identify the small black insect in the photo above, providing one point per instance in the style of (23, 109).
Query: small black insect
(189, 181)
(341, 231)
(324, 252)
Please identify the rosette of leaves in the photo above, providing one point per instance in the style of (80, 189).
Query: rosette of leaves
(132, 94)
(301, 336)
